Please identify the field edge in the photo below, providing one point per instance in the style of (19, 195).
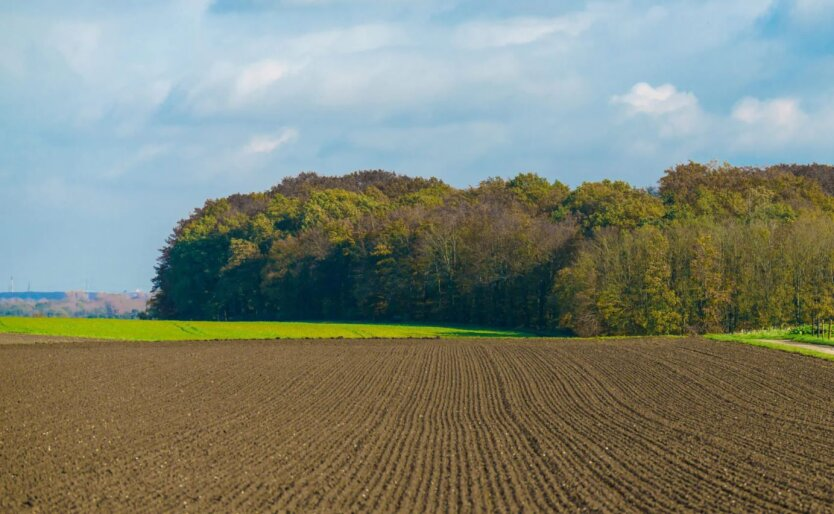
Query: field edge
(733, 338)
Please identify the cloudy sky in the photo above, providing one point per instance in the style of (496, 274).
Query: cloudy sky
(118, 118)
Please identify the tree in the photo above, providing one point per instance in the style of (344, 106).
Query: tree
(613, 204)
(716, 247)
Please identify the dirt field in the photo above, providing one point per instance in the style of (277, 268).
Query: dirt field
(482, 425)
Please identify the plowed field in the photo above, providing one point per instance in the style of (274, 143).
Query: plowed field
(414, 425)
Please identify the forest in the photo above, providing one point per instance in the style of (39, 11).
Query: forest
(712, 248)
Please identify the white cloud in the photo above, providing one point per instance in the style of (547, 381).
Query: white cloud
(78, 44)
(519, 31)
(147, 153)
(360, 38)
(227, 87)
(678, 112)
(157, 91)
(257, 77)
(810, 9)
(753, 124)
(782, 113)
(265, 144)
(643, 98)
(384, 81)
(774, 121)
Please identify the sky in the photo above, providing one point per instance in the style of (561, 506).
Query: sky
(119, 118)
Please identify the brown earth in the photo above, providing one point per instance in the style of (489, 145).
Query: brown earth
(468, 425)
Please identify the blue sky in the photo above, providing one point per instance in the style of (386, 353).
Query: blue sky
(118, 118)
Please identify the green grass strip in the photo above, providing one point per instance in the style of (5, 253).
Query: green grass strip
(159, 330)
(767, 344)
(784, 334)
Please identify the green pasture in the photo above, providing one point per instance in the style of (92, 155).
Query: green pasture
(156, 330)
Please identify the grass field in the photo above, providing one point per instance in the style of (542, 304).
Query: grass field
(780, 334)
(468, 425)
(152, 330)
(765, 338)
(768, 338)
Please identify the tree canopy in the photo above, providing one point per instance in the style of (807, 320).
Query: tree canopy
(714, 247)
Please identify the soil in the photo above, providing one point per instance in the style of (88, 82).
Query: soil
(414, 425)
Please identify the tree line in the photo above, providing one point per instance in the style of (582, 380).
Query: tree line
(711, 248)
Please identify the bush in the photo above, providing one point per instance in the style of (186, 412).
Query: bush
(802, 330)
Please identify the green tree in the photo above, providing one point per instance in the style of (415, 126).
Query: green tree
(613, 204)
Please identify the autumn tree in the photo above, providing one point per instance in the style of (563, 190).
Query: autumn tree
(715, 247)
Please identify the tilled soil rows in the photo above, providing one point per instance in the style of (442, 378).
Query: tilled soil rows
(421, 425)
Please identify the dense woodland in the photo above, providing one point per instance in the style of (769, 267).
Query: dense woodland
(712, 248)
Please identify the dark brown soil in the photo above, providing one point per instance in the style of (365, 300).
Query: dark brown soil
(469, 425)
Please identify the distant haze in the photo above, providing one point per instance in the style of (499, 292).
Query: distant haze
(73, 304)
